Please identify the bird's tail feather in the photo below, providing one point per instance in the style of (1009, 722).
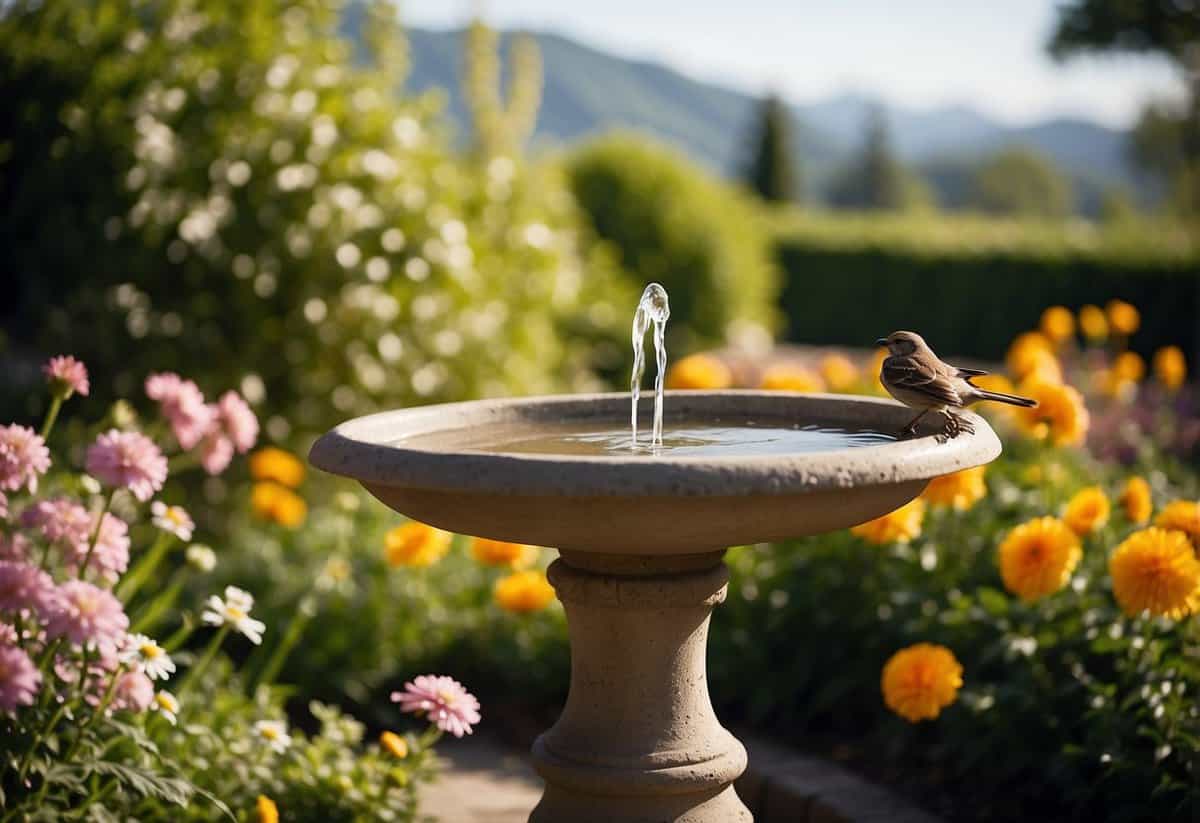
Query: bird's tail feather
(1010, 399)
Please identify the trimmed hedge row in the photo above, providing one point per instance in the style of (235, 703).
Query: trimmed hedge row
(970, 301)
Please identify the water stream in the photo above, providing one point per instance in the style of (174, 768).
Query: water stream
(654, 309)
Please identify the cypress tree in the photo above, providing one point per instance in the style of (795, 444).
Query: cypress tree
(772, 172)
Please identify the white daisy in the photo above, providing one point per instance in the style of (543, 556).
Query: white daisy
(275, 733)
(147, 655)
(165, 704)
(234, 611)
(201, 557)
(172, 519)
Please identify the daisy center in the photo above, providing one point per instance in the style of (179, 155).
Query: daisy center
(149, 651)
(235, 613)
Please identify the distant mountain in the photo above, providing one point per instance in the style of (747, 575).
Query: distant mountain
(588, 92)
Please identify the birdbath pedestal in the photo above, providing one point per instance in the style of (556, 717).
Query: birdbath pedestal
(641, 540)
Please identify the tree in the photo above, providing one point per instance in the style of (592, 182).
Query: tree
(772, 172)
(1021, 182)
(876, 180)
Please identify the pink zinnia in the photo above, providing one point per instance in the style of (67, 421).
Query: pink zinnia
(14, 547)
(134, 692)
(238, 420)
(216, 453)
(446, 703)
(183, 405)
(25, 587)
(86, 613)
(61, 521)
(110, 557)
(19, 679)
(67, 375)
(3, 506)
(128, 459)
(23, 457)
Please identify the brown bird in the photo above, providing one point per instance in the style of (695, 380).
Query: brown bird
(916, 377)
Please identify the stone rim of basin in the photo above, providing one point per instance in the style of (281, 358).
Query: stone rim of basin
(367, 450)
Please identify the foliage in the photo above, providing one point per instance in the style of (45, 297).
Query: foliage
(876, 180)
(1166, 143)
(772, 172)
(669, 222)
(1021, 182)
(219, 187)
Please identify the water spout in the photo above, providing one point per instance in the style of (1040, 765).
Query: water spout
(654, 309)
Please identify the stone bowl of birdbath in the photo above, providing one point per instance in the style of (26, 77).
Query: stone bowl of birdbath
(641, 536)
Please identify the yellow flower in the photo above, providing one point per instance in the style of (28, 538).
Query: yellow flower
(1129, 366)
(1060, 415)
(1135, 499)
(1170, 367)
(839, 372)
(1058, 324)
(394, 744)
(699, 371)
(1111, 384)
(273, 502)
(921, 680)
(499, 553)
(1181, 515)
(1093, 323)
(523, 592)
(1037, 558)
(899, 526)
(961, 490)
(1087, 511)
(1123, 318)
(415, 544)
(277, 465)
(1156, 570)
(268, 812)
(1028, 353)
(786, 377)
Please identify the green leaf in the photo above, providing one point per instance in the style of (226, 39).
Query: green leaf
(993, 601)
(170, 789)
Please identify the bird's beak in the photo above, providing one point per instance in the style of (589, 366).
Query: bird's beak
(881, 341)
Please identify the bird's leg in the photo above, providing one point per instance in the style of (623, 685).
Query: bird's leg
(956, 425)
(911, 428)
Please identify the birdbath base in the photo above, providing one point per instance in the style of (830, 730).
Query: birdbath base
(638, 740)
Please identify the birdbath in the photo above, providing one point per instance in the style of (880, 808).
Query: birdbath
(641, 538)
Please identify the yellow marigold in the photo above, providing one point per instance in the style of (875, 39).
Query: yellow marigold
(1156, 570)
(1123, 318)
(784, 377)
(1111, 384)
(394, 744)
(277, 465)
(1135, 499)
(523, 592)
(1060, 415)
(268, 812)
(281, 505)
(1093, 323)
(961, 490)
(899, 526)
(1037, 558)
(1170, 367)
(921, 680)
(839, 372)
(1087, 511)
(1058, 324)
(1181, 515)
(699, 371)
(499, 553)
(1028, 352)
(415, 544)
(1129, 366)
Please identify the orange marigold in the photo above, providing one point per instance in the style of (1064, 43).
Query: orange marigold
(899, 526)
(268, 812)
(281, 505)
(839, 372)
(790, 377)
(277, 465)
(1037, 558)
(1123, 318)
(699, 371)
(1030, 352)
(1060, 415)
(1181, 515)
(1135, 499)
(394, 744)
(960, 490)
(921, 680)
(500, 553)
(1087, 511)
(1058, 324)
(523, 592)
(1093, 323)
(1156, 570)
(1170, 367)
(1129, 366)
(415, 544)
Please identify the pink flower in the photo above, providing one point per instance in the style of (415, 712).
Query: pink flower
(216, 452)
(443, 700)
(14, 547)
(238, 420)
(67, 375)
(3, 506)
(61, 521)
(128, 459)
(23, 457)
(19, 679)
(183, 405)
(25, 587)
(110, 557)
(134, 692)
(86, 613)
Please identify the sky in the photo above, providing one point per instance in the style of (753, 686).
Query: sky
(918, 53)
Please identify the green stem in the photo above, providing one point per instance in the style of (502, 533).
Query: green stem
(37, 741)
(149, 616)
(87, 558)
(95, 797)
(144, 567)
(100, 710)
(266, 676)
(203, 663)
(179, 638)
(52, 414)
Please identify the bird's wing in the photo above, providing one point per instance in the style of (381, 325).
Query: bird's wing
(961, 372)
(914, 374)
